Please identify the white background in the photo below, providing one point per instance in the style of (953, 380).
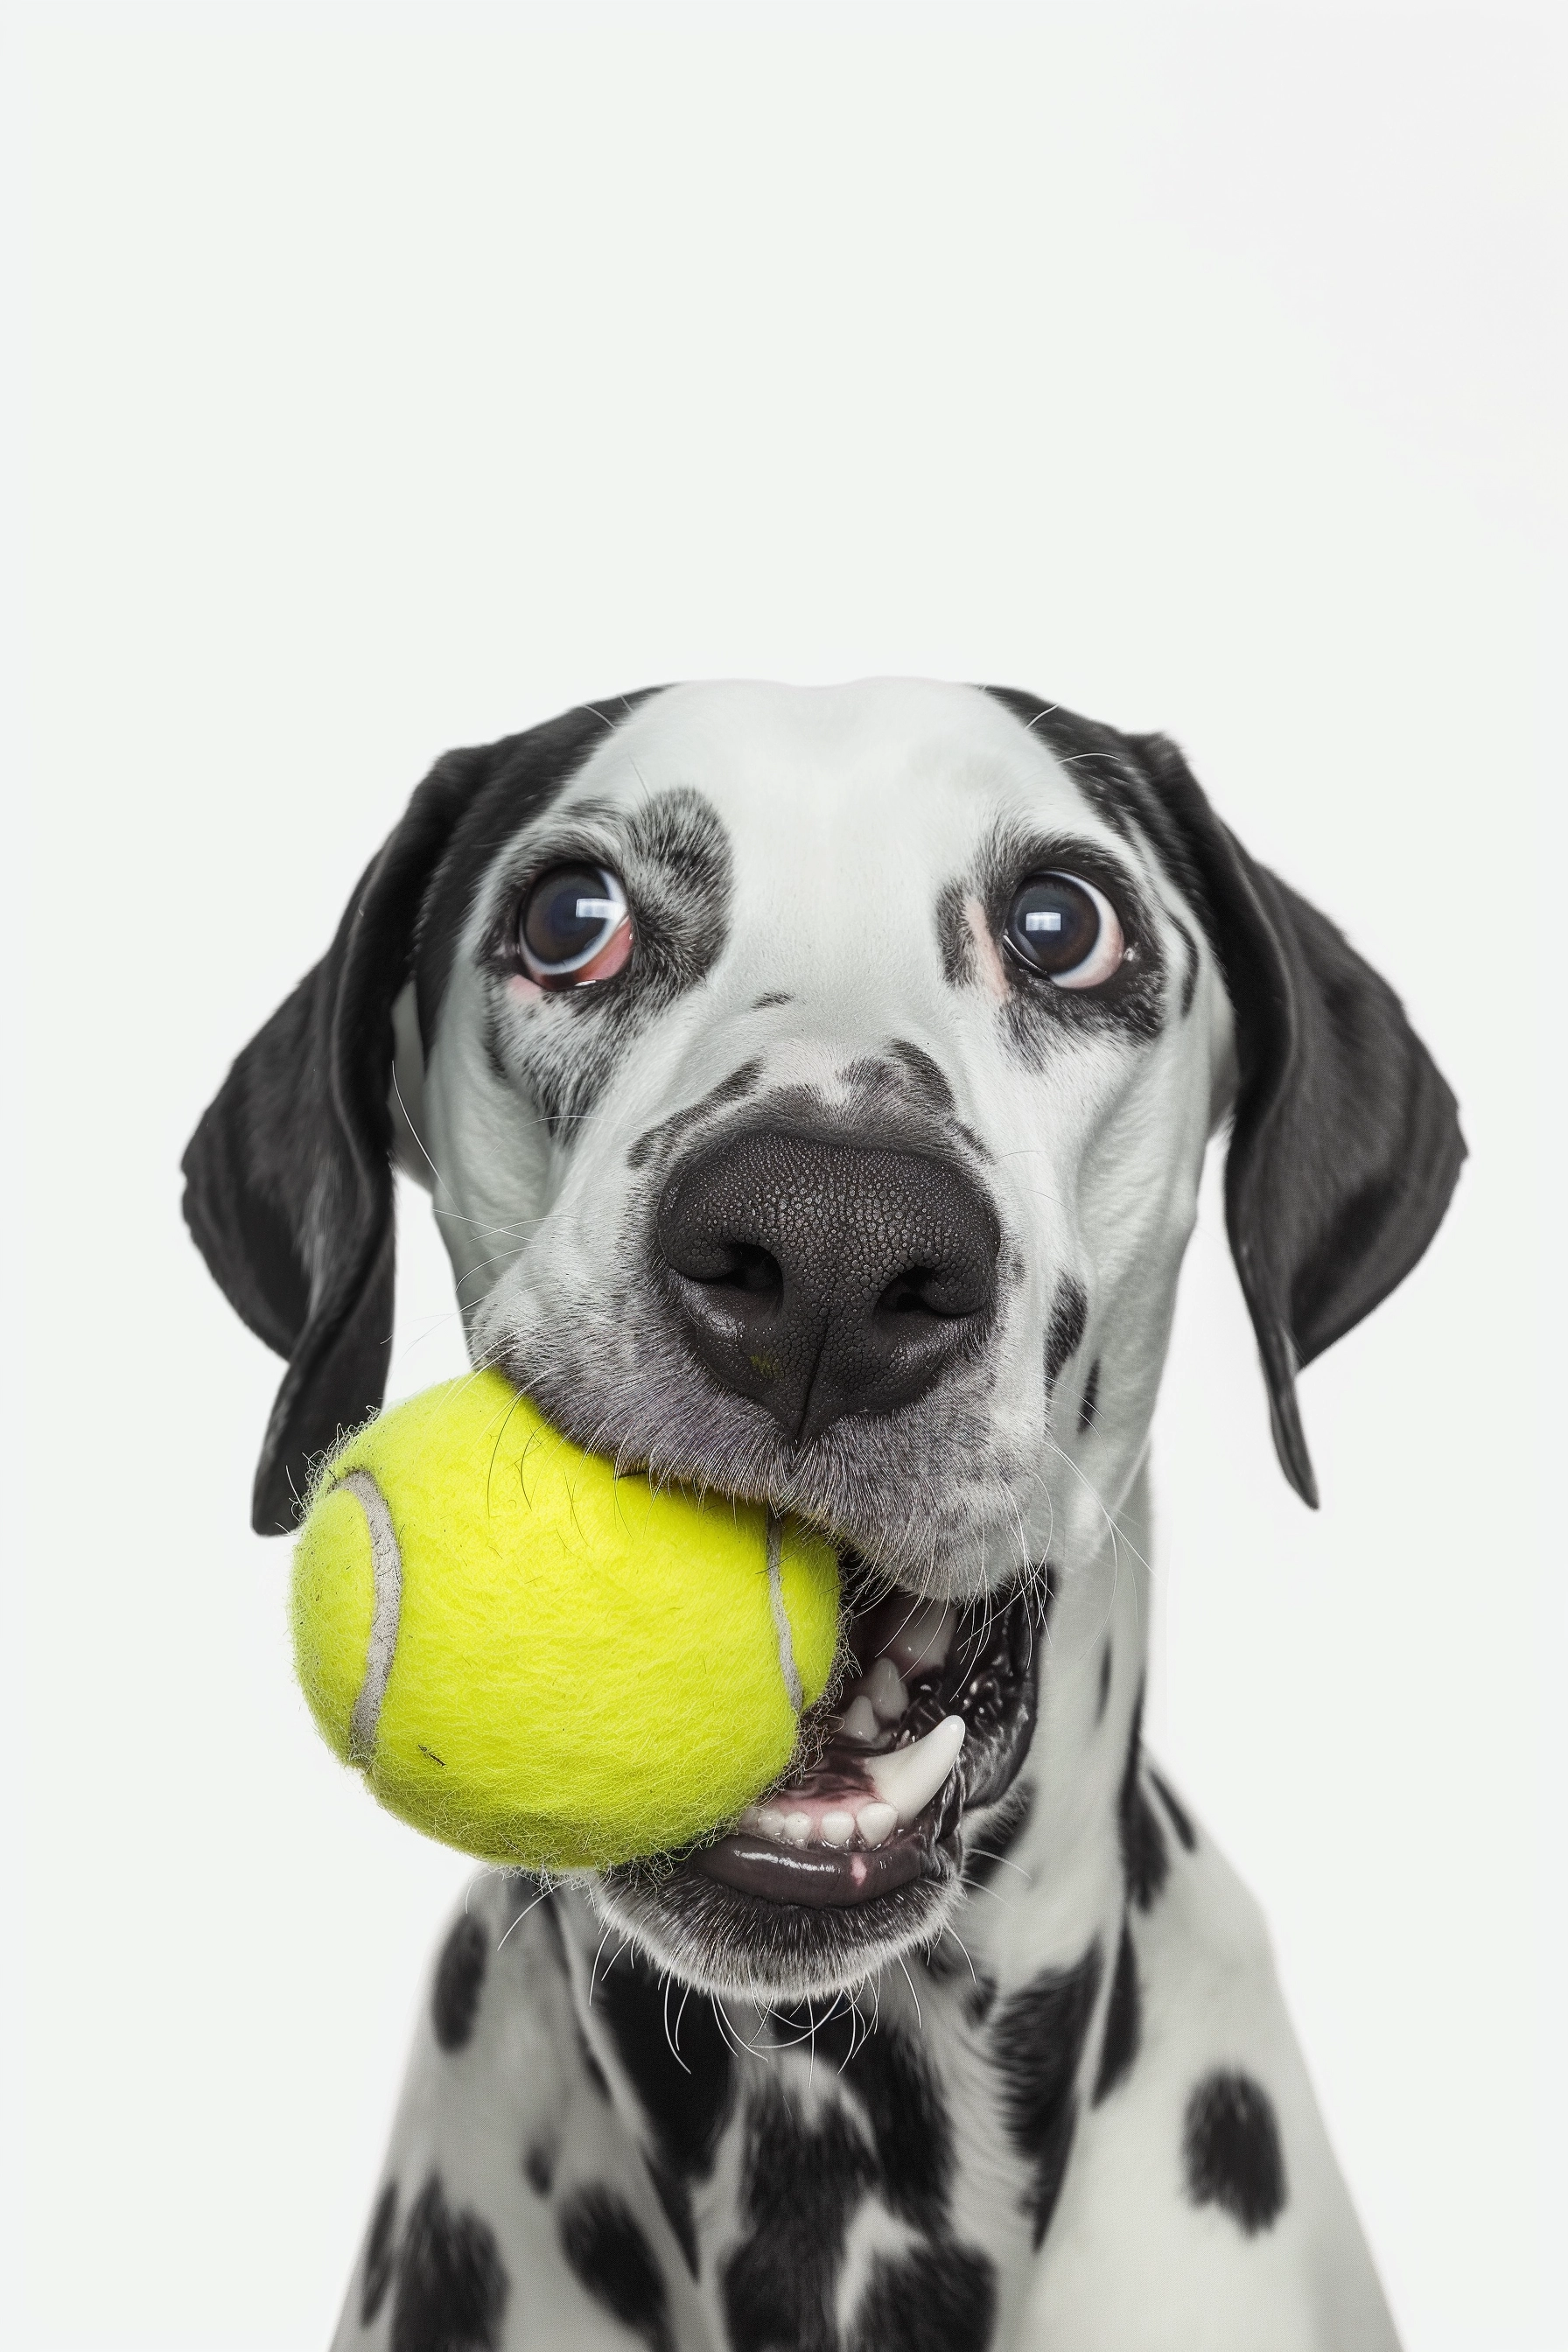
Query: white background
(398, 377)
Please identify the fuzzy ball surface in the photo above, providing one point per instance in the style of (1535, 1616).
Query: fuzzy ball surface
(538, 1662)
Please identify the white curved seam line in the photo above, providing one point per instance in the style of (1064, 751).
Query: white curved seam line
(787, 1666)
(386, 1571)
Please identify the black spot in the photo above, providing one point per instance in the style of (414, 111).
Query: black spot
(378, 2255)
(609, 2255)
(942, 2298)
(1038, 2038)
(539, 2167)
(1181, 1819)
(740, 1083)
(685, 2096)
(1231, 2147)
(1070, 1313)
(928, 1080)
(1104, 1683)
(907, 2116)
(451, 2288)
(774, 996)
(800, 2187)
(981, 1863)
(1123, 2022)
(459, 1979)
(1091, 1405)
(1145, 1862)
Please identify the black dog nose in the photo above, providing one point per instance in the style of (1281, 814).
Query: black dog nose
(821, 1279)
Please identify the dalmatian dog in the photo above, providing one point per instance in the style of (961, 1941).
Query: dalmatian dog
(813, 1087)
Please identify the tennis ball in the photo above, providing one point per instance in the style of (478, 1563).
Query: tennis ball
(537, 1661)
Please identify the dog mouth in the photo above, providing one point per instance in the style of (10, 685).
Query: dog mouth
(930, 1719)
(858, 1851)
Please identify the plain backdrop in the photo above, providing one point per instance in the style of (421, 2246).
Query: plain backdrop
(396, 376)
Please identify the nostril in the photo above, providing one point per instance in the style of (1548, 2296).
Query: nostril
(942, 1292)
(749, 1269)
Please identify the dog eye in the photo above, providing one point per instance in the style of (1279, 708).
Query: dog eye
(1062, 926)
(575, 926)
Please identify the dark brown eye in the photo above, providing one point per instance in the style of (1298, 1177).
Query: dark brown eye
(574, 927)
(1062, 926)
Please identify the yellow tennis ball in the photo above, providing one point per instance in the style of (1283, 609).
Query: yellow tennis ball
(539, 1662)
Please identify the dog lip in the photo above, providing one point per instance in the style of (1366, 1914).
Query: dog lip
(818, 1877)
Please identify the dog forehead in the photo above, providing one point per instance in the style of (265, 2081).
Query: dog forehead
(813, 776)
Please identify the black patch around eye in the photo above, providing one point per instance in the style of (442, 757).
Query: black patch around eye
(940, 2298)
(451, 2288)
(673, 856)
(1091, 1405)
(1230, 2145)
(1069, 1315)
(610, 2257)
(1123, 2022)
(1144, 1859)
(1037, 2039)
(459, 1981)
(378, 2255)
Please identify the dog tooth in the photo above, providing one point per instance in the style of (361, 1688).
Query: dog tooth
(923, 1636)
(795, 1828)
(877, 1823)
(836, 1828)
(767, 1821)
(861, 1720)
(909, 1778)
(885, 1689)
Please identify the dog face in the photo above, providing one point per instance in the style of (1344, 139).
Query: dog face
(814, 1085)
(837, 1187)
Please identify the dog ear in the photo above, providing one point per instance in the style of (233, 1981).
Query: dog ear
(1345, 1148)
(289, 1187)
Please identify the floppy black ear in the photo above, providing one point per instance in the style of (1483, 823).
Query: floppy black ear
(1346, 1146)
(289, 1187)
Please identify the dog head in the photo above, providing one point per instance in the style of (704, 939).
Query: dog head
(814, 1085)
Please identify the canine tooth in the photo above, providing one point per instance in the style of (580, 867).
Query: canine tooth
(909, 1777)
(877, 1823)
(885, 1689)
(861, 1720)
(837, 1829)
(795, 1828)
